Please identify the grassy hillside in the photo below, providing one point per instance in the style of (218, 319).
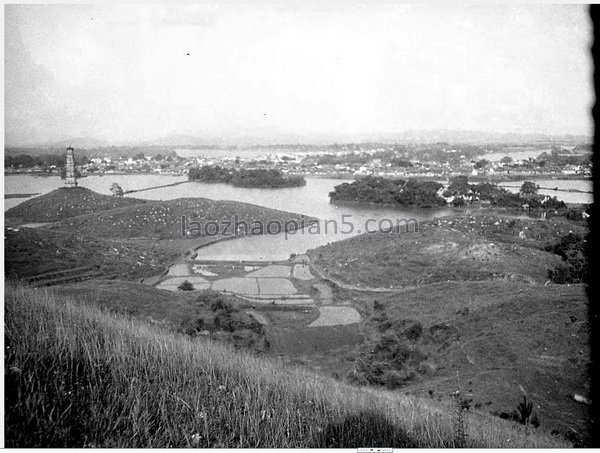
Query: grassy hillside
(162, 219)
(472, 307)
(481, 247)
(77, 376)
(123, 237)
(31, 252)
(64, 203)
(208, 313)
(499, 340)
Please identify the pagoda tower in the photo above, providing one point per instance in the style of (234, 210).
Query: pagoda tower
(71, 179)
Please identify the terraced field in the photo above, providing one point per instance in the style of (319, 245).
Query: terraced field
(272, 287)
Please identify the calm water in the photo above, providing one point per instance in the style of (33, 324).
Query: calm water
(335, 228)
(516, 155)
(562, 184)
(100, 184)
(310, 200)
(337, 222)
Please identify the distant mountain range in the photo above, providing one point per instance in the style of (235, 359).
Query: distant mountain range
(410, 136)
(75, 142)
(453, 136)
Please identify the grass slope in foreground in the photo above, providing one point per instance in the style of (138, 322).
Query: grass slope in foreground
(77, 376)
(502, 339)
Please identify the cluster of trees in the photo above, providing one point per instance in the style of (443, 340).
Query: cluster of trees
(224, 321)
(415, 192)
(480, 164)
(372, 189)
(401, 156)
(439, 152)
(572, 248)
(245, 178)
(58, 158)
(342, 159)
(45, 161)
(462, 191)
(559, 159)
(357, 157)
(266, 178)
(211, 174)
(117, 191)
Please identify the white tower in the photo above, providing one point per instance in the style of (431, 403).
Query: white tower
(70, 180)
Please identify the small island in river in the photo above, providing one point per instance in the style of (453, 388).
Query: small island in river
(259, 178)
(414, 192)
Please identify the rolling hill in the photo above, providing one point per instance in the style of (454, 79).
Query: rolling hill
(163, 219)
(64, 203)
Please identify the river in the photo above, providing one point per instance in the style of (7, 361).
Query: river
(337, 222)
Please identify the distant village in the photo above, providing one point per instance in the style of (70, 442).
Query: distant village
(439, 161)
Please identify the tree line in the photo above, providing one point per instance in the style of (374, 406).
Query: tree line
(416, 192)
(244, 178)
(374, 189)
(45, 161)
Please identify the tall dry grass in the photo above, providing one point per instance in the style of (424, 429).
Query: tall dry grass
(77, 376)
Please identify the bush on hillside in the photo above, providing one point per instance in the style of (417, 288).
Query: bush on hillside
(574, 269)
(395, 359)
(576, 214)
(227, 323)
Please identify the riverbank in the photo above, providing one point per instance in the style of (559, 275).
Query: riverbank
(345, 175)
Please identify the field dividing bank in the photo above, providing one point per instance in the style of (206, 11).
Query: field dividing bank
(113, 381)
(8, 196)
(555, 189)
(155, 187)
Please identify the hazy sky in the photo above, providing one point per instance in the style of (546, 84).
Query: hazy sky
(136, 72)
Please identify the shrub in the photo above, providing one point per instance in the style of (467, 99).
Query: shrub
(220, 305)
(574, 269)
(574, 213)
(523, 414)
(414, 332)
(529, 188)
(392, 379)
(458, 202)
(562, 274)
(185, 286)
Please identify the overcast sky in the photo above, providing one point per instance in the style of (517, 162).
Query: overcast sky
(137, 72)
